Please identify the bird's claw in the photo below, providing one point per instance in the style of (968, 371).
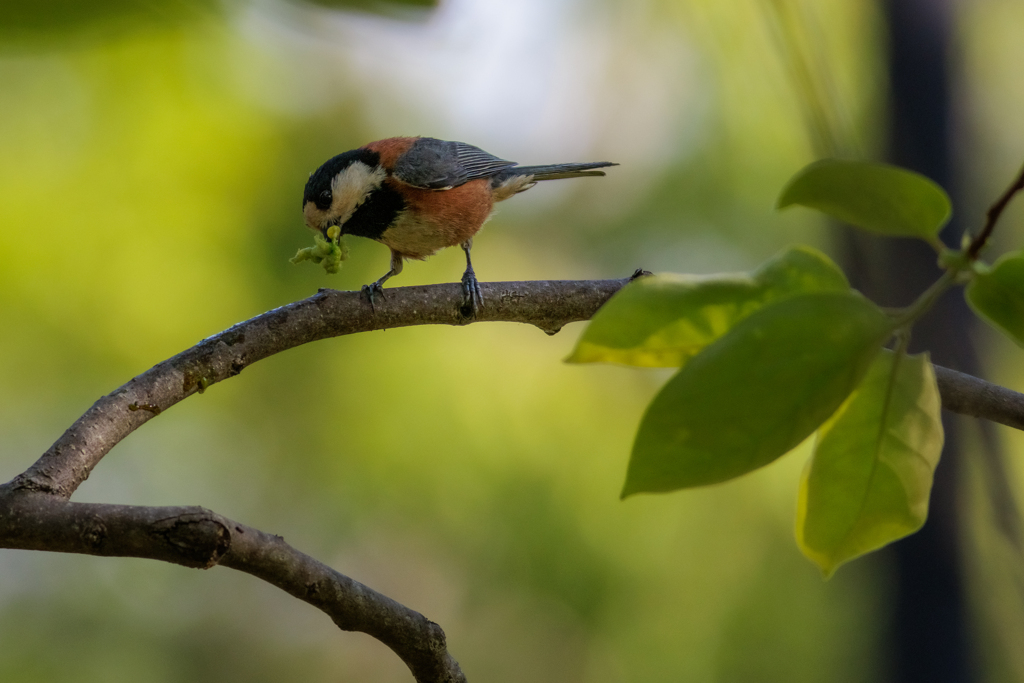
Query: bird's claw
(372, 291)
(472, 299)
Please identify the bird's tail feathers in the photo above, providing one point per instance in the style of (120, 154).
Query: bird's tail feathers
(556, 171)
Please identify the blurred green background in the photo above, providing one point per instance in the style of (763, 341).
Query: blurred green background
(152, 158)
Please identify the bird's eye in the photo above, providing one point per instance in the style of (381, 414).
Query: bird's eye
(323, 200)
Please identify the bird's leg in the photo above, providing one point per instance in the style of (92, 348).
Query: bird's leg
(472, 300)
(378, 287)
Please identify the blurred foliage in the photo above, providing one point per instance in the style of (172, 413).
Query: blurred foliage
(30, 21)
(150, 180)
(378, 6)
(36, 20)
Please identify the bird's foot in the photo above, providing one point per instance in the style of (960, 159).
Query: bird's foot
(372, 291)
(472, 299)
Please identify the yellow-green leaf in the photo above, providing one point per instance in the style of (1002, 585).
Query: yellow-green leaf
(878, 197)
(664, 320)
(757, 392)
(998, 295)
(868, 481)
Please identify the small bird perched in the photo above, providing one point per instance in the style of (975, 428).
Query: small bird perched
(419, 195)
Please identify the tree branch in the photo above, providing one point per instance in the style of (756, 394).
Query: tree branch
(974, 397)
(196, 537)
(35, 513)
(67, 463)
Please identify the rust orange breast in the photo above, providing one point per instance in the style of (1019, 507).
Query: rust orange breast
(435, 219)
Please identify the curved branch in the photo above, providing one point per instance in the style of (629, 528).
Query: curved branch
(35, 513)
(197, 537)
(547, 304)
(67, 463)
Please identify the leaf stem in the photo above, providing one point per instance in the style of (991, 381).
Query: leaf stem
(962, 261)
(912, 313)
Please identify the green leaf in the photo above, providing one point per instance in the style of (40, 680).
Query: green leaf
(998, 295)
(877, 197)
(868, 481)
(757, 392)
(664, 320)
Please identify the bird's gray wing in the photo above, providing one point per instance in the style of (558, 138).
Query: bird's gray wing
(439, 164)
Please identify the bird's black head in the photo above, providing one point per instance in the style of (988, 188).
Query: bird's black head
(318, 187)
(339, 186)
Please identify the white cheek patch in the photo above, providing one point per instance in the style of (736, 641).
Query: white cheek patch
(351, 187)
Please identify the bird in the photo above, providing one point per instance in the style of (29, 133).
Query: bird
(418, 195)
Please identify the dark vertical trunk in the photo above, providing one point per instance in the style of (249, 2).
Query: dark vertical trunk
(929, 633)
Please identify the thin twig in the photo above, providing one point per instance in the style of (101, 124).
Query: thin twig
(992, 216)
